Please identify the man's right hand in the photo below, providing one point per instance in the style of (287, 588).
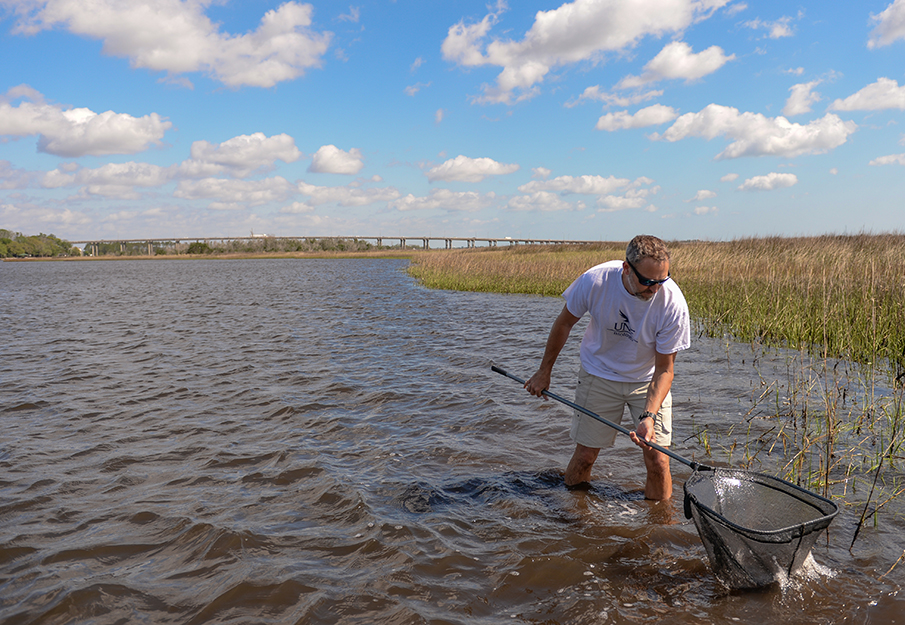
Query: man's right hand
(538, 383)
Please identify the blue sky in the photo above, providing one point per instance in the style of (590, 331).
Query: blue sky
(589, 120)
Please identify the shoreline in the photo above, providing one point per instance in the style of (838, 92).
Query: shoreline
(838, 294)
(390, 254)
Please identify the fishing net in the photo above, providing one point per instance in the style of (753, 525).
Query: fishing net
(757, 530)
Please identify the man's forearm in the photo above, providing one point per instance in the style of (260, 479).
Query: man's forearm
(658, 389)
(661, 382)
(559, 334)
(556, 340)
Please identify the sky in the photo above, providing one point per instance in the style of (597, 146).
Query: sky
(585, 120)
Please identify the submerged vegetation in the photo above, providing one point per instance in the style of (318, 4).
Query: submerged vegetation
(837, 302)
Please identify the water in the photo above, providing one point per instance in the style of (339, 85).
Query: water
(322, 441)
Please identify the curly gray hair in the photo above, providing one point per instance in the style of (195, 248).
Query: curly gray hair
(646, 246)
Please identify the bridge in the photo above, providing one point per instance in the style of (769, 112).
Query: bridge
(403, 242)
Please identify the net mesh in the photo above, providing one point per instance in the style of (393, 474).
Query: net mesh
(756, 529)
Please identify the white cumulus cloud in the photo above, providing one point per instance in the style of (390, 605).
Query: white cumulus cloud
(465, 169)
(412, 90)
(776, 29)
(111, 180)
(753, 134)
(445, 199)
(769, 182)
(702, 194)
(649, 116)
(237, 193)
(246, 153)
(801, 99)
(75, 132)
(889, 160)
(636, 196)
(350, 195)
(612, 203)
(175, 36)
(890, 25)
(540, 172)
(594, 94)
(677, 61)
(883, 94)
(586, 185)
(574, 32)
(543, 201)
(612, 193)
(329, 159)
(296, 208)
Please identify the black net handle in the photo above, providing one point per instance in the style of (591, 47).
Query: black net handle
(663, 450)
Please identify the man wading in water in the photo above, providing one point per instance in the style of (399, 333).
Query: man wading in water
(639, 321)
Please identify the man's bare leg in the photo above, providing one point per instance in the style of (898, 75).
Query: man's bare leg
(579, 469)
(659, 479)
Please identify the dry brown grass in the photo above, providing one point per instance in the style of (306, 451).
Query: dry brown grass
(827, 297)
(845, 294)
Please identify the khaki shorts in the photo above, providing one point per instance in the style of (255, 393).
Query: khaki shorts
(608, 399)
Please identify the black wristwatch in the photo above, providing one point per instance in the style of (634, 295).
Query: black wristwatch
(646, 414)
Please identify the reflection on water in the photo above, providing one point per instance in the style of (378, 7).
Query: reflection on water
(312, 441)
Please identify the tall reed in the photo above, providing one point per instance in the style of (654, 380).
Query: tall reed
(535, 269)
(837, 301)
(843, 296)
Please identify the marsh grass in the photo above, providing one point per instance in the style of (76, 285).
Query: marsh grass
(839, 295)
(534, 269)
(837, 303)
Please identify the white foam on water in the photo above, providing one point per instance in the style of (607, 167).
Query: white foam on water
(810, 570)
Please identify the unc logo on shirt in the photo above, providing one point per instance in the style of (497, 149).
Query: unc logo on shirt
(624, 327)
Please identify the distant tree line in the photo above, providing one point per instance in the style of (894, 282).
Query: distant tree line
(274, 244)
(17, 245)
(257, 245)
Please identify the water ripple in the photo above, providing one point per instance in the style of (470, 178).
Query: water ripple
(312, 441)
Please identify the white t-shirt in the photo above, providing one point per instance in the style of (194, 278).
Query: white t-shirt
(626, 332)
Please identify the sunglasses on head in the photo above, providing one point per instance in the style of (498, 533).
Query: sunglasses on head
(646, 281)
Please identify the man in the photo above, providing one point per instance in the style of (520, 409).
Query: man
(639, 321)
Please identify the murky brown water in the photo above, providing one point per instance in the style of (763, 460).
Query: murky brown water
(313, 441)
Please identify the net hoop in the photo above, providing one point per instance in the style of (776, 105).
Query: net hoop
(757, 529)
